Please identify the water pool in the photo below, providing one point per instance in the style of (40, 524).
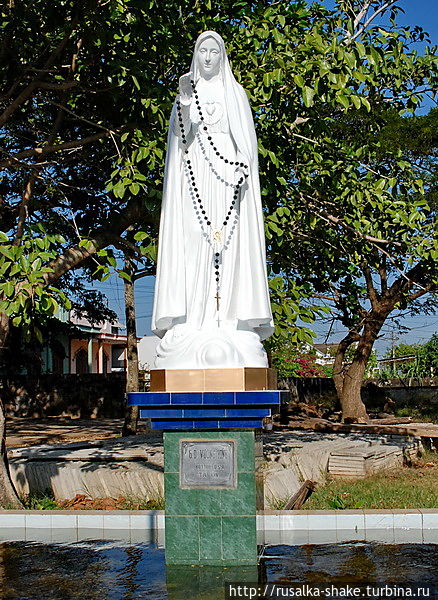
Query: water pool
(117, 571)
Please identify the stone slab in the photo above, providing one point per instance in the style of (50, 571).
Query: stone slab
(212, 380)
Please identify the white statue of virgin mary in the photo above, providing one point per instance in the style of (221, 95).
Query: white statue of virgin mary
(211, 305)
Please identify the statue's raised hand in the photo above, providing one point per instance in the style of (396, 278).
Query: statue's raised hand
(185, 87)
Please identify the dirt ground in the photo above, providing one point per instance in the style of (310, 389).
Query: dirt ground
(60, 430)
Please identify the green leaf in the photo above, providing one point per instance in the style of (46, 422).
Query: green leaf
(140, 236)
(8, 252)
(299, 80)
(344, 100)
(134, 188)
(124, 276)
(8, 289)
(356, 101)
(366, 103)
(308, 95)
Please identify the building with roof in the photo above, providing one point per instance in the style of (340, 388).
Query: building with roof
(85, 347)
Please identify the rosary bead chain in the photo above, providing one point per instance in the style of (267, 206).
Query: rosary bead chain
(199, 200)
(209, 138)
(195, 190)
(193, 179)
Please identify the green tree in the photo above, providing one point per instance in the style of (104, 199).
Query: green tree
(428, 357)
(407, 365)
(423, 363)
(350, 215)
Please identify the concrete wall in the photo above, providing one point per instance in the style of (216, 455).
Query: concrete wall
(90, 395)
(419, 394)
(96, 395)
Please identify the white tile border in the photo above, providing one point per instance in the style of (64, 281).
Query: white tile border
(350, 521)
(411, 520)
(39, 521)
(68, 521)
(87, 521)
(296, 527)
(322, 522)
(12, 521)
(143, 522)
(350, 535)
(384, 536)
(430, 536)
(430, 520)
(379, 521)
(117, 521)
(290, 522)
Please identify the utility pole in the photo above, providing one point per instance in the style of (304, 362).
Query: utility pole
(394, 338)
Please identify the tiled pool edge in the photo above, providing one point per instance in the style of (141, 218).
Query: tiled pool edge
(273, 527)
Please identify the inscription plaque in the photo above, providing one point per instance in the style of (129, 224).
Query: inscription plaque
(207, 464)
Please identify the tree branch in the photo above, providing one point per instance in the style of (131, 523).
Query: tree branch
(337, 221)
(28, 91)
(55, 148)
(22, 211)
(383, 275)
(67, 85)
(361, 13)
(387, 4)
(372, 294)
(429, 288)
(406, 282)
(77, 116)
(75, 256)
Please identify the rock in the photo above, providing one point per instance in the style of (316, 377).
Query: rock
(110, 468)
(279, 484)
(311, 461)
(283, 460)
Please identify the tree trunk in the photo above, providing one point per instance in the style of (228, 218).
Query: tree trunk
(348, 379)
(131, 412)
(353, 409)
(8, 495)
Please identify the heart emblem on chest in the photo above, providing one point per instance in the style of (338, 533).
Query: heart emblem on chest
(212, 112)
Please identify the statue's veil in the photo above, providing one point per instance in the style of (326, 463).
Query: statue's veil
(235, 99)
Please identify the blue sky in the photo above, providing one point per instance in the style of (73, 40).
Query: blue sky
(417, 12)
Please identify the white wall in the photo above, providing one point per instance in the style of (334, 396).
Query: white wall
(147, 351)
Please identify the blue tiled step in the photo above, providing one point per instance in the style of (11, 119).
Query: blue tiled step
(203, 413)
(207, 410)
(206, 424)
(150, 399)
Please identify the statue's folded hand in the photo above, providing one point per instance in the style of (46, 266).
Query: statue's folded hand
(185, 88)
(239, 174)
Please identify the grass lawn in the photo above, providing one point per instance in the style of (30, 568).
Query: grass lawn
(408, 487)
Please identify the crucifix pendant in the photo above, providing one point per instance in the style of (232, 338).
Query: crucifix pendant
(217, 307)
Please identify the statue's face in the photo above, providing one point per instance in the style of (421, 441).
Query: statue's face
(209, 57)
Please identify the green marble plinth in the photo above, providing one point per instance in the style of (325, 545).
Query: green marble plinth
(206, 526)
(207, 582)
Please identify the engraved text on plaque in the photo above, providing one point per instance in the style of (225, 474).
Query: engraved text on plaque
(207, 464)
